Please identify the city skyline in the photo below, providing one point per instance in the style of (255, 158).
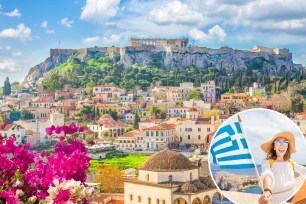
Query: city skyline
(29, 29)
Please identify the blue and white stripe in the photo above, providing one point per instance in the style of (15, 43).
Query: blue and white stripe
(229, 148)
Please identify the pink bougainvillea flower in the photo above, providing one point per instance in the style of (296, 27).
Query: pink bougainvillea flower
(43, 153)
(81, 129)
(58, 130)
(91, 142)
(49, 131)
(62, 138)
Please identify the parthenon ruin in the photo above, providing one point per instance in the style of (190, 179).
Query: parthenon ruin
(137, 42)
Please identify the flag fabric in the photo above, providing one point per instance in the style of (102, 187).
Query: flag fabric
(229, 148)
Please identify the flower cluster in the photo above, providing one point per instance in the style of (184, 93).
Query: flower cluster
(28, 177)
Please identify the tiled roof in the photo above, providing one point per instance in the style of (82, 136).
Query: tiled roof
(192, 110)
(108, 122)
(224, 116)
(151, 121)
(162, 127)
(132, 133)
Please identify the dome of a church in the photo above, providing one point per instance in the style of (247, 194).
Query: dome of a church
(167, 160)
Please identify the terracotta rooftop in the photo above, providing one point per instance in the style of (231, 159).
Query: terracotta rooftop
(167, 160)
(192, 110)
(108, 122)
(162, 127)
(151, 121)
(224, 116)
(301, 116)
(132, 133)
(203, 121)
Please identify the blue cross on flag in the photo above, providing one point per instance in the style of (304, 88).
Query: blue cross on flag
(229, 148)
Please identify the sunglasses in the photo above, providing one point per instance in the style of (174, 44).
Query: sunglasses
(278, 143)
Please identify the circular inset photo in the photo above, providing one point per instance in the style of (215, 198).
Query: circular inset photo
(258, 156)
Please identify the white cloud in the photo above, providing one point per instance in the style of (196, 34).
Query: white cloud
(45, 26)
(66, 22)
(22, 32)
(91, 40)
(215, 33)
(177, 13)
(8, 66)
(16, 54)
(8, 47)
(50, 31)
(113, 39)
(99, 11)
(14, 13)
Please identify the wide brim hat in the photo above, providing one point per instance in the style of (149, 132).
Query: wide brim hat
(266, 147)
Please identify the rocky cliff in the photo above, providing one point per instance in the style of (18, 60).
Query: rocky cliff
(224, 58)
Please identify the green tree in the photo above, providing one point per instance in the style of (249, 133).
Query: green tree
(194, 94)
(7, 87)
(297, 104)
(154, 111)
(87, 110)
(26, 115)
(180, 103)
(136, 121)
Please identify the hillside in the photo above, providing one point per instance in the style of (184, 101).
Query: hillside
(129, 66)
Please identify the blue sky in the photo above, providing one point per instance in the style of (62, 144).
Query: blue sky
(28, 29)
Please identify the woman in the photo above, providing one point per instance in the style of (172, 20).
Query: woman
(278, 169)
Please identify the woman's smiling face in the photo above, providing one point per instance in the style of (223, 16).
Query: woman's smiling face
(281, 146)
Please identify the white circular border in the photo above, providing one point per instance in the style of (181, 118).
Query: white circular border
(235, 115)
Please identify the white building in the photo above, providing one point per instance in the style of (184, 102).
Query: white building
(56, 119)
(9, 130)
(162, 179)
(159, 136)
(177, 111)
(257, 88)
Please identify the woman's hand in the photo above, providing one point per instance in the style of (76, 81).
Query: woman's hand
(265, 198)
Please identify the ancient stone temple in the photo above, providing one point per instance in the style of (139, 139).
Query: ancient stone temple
(137, 42)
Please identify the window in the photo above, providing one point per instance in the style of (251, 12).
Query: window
(190, 176)
(181, 139)
(188, 137)
(163, 202)
(147, 133)
(149, 200)
(199, 129)
(152, 133)
(139, 198)
(131, 197)
(208, 129)
(298, 123)
(157, 201)
(148, 177)
(170, 178)
(157, 133)
(199, 137)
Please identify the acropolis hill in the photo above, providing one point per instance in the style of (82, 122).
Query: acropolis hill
(172, 53)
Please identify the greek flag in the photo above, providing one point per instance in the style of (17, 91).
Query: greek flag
(229, 148)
